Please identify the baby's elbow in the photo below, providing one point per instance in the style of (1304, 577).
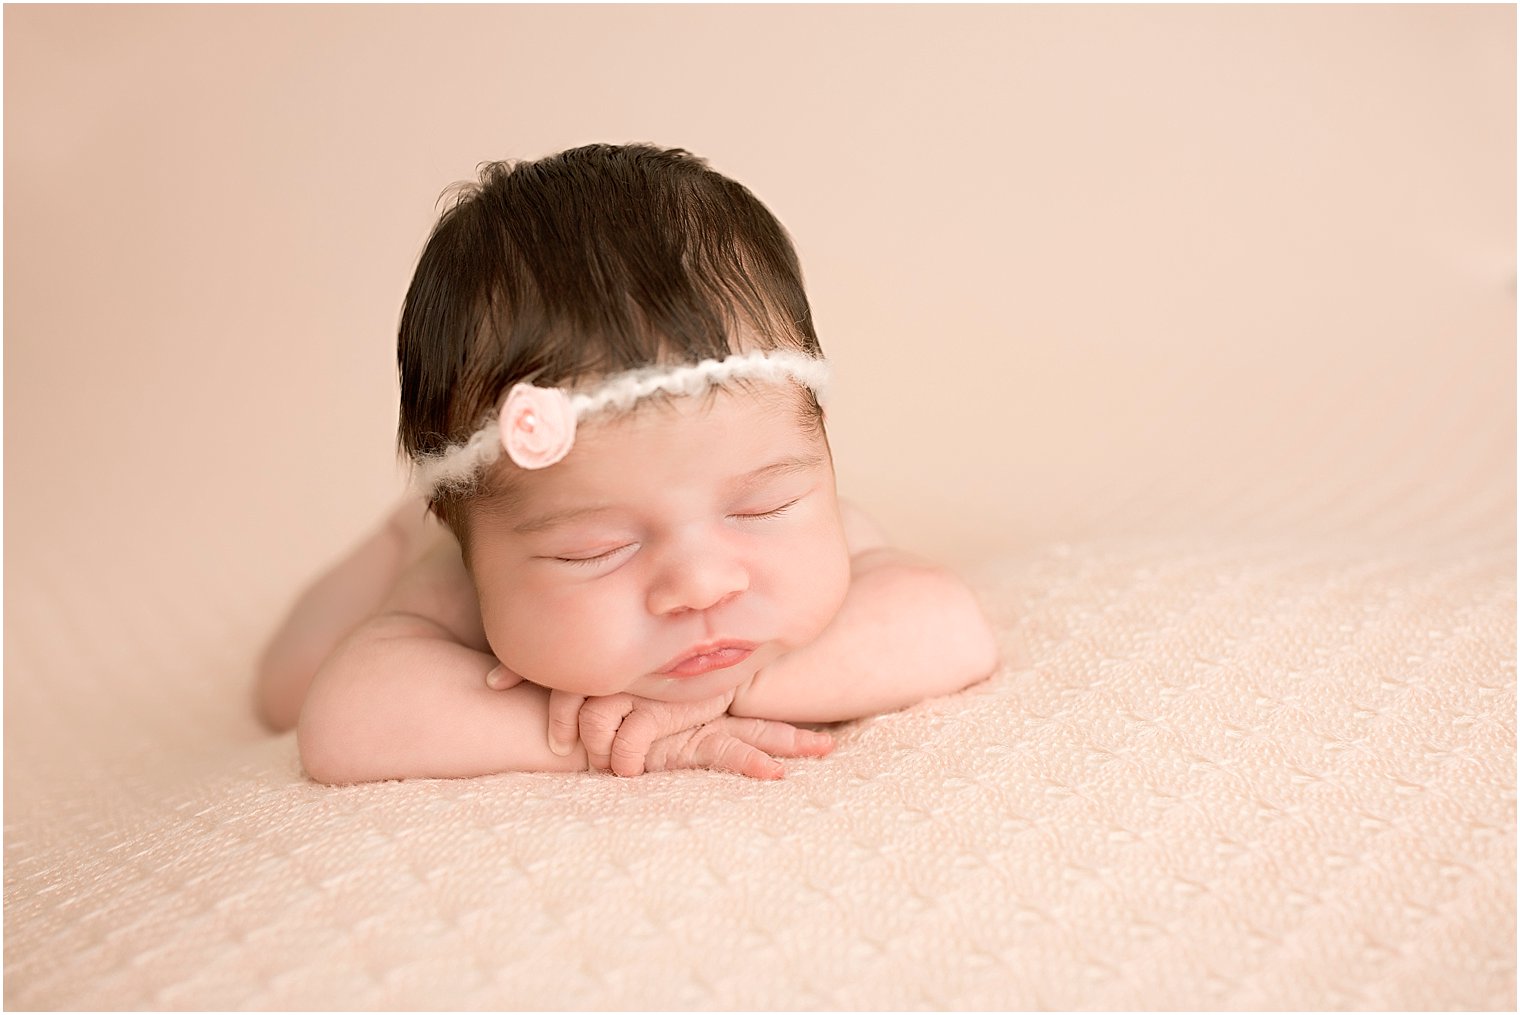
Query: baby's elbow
(327, 740)
(319, 742)
(972, 650)
(984, 656)
(981, 655)
(942, 622)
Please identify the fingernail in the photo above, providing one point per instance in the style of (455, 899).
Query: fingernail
(497, 676)
(559, 746)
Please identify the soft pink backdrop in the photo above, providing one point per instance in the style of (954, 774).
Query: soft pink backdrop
(1086, 271)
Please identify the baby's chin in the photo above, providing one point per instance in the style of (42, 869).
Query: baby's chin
(679, 690)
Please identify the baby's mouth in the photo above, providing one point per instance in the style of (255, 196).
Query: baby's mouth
(700, 659)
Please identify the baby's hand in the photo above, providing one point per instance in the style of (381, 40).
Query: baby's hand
(619, 729)
(631, 735)
(741, 746)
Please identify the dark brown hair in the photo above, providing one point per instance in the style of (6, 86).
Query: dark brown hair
(596, 260)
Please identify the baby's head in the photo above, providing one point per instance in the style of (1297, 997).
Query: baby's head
(609, 383)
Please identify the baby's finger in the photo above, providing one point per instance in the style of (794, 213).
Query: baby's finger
(631, 745)
(502, 678)
(599, 722)
(728, 753)
(779, 738)
(564, 720)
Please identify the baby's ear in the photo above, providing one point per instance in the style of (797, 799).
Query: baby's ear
(440, 511)
(449, 517)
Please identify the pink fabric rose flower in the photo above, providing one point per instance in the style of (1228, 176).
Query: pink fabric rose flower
(537, 425)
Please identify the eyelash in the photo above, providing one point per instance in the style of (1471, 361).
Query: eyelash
(598, 559)
(774, 512)
(777, 512)
(603, 557)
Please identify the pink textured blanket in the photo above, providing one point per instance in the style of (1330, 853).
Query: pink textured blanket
(1238, 776)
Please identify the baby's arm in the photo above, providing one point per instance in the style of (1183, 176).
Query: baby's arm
(405, 695)
(908, 630)
(352, 591)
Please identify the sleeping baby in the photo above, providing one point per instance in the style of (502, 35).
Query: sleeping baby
(624, 550)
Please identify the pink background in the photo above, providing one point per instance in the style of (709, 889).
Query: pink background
(1087, 272)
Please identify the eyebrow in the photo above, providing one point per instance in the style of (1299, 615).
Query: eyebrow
(539, 523)
(785, 467)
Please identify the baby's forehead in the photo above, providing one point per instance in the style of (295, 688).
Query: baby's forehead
(719, 435)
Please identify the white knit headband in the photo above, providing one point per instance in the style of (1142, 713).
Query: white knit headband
(536, 426)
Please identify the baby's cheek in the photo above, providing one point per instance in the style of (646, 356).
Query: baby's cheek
(820, 591)
(566, 645)
(834, 587)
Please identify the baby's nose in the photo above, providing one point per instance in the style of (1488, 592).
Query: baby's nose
(697, 585)
(676, 611)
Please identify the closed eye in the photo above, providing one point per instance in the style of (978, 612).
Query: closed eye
(600, 558)
(773, 513)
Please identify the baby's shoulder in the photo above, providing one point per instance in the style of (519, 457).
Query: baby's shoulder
(861, 532)
(437, 588)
